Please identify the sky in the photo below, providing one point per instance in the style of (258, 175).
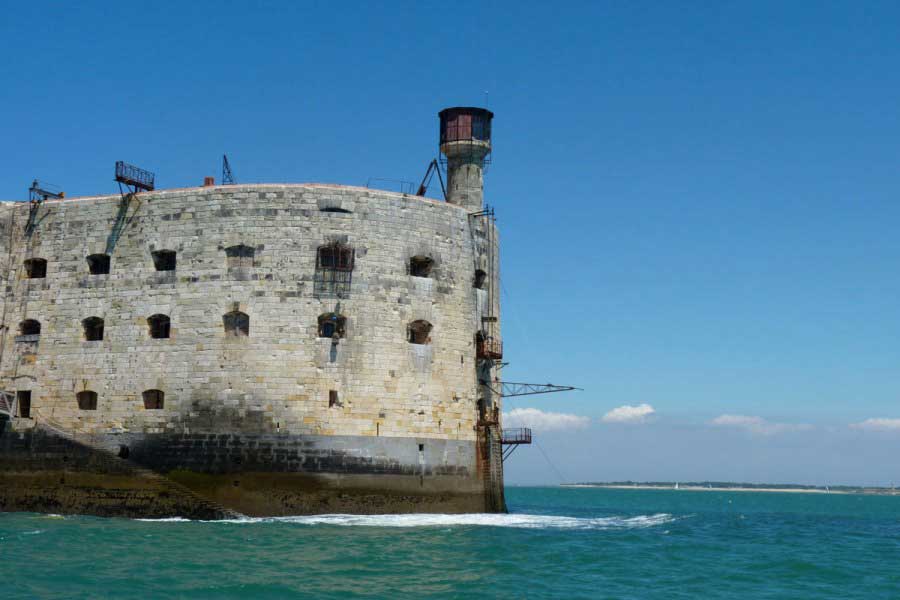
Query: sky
(698, 202)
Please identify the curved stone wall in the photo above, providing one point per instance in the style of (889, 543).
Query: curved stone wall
(282, 377)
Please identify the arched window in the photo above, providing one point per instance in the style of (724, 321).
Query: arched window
(237, 324)
(98, 264)
(93, 329)
(153, 399)
(159, 326)
(164, 260)
(331, 325)
(35, 268)
(30, 327)
(420, 266)
(240, 256)
(87, 400)
(419, 332)
(334, 270)
(480, 279)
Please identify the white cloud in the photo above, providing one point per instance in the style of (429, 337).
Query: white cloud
(878, 425)
(629, 414)
(544, 421)
(758, 425)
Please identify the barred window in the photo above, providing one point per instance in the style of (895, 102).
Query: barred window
(153, 399)
(87, 400)
(334, 270)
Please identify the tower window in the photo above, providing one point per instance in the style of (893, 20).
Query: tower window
(23, 403)
(164, 260)
(419, 332)
(334, 270)
(237, 324)
(480, 279)
(331, 325)
(420, 266)
(30, 327)
(93, 329)
(87, 400)
(159, 326)
(333, 399)
(35, 268)
(98, 264)
(153, 399)
(239, 256)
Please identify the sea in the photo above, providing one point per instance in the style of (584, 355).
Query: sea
(556, 542)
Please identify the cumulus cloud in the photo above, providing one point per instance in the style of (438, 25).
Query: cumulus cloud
(757, 425)
(878, 425)
(629, 414)
(544, 421)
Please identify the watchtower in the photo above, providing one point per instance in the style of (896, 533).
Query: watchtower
(466, 146)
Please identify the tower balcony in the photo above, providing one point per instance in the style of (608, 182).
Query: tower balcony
(489, 348)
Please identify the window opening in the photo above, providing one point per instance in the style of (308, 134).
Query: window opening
(164, 260)
(87, 400)
(480, 279)
(159, 326)
(93, 329)
(36, 268)
(98, 264)
(240, 256)
(420, 266)
(237, 324)
(30, 327)
(23, 403)
(333, 399)
(153, 399)
(419, 332)
(331, 325)
(334, 270)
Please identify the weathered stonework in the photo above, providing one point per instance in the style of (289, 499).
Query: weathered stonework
(406, 419)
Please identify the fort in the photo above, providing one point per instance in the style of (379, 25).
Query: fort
(255, 349)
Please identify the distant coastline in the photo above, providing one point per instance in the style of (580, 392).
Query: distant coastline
(719, 486)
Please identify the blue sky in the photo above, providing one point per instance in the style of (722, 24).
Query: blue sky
(699, 202)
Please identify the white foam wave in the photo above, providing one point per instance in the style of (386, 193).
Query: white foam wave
(521, 521)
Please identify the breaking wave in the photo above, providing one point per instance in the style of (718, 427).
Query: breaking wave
(520, 521)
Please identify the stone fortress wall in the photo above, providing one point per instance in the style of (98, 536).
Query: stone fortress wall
(281, 378)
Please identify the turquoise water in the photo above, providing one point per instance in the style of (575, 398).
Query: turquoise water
(556, 543)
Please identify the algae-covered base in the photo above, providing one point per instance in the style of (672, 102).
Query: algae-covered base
(223, 476)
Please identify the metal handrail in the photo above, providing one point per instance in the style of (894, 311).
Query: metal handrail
(520, 435)
(8, 404)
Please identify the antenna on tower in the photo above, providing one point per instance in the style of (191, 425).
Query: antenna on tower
(227, 177)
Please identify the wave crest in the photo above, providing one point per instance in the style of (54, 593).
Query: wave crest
(521, 521)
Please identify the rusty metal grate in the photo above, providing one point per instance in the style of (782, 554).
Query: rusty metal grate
(489, 348)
